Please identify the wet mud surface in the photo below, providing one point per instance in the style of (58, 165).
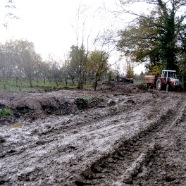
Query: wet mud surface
(135, 138)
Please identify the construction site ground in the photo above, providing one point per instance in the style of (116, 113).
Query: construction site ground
(109, 138)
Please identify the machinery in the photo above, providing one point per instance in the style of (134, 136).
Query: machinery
(168, 80)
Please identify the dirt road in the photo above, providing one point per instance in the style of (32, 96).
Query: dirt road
(135, 139)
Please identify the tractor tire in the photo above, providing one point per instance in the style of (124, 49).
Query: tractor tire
(158, 84)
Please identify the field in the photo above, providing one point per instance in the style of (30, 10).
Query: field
(122, 137)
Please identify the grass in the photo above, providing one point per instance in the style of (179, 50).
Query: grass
(5, 112)
(11, 86)
(37, 86)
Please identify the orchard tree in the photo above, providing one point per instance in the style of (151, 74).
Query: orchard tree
(69, 71)
(129, 71)
(43, 70)
(64, 71)
(77, 64)
(98, 65)
(6, 64)
(53, 70)
(28, 58)
(23, 59)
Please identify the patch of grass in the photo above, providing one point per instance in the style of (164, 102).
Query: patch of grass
(38, 86)
(5, 112)
(88, 86)
(70, 86)
(87, 97)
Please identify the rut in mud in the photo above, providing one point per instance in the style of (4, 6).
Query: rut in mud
(129, 163)
(118, 144)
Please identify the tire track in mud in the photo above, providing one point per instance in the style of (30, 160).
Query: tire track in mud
(54, 145)
(64, 149)
(120, 167)
(169, 162)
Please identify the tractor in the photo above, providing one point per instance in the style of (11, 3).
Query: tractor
(168, 80)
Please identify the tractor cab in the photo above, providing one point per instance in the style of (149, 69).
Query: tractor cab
(168, 80)
(169, 74)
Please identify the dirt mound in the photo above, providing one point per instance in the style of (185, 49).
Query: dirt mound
(32, 107)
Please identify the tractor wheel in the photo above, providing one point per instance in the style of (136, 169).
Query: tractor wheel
(158, 84)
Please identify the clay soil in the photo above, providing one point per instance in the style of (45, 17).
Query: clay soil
(111, 138)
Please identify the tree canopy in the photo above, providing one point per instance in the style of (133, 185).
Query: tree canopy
(97, 65)
(155, 37)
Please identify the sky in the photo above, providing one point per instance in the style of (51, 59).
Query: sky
(52, 25)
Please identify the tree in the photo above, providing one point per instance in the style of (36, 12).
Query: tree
(98, 65)
(77, 64)
(129, 71)
(64, 71)
(6, 64)
(43, 70)
(182, 59)
(20, 60)
(55, 72)
(27, 59)
(156, 36)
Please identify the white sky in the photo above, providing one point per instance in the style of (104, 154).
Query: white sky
(49, 23)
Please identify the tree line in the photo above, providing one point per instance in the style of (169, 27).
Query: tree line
(157, 36)
(19, 62)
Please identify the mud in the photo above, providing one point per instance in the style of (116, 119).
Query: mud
(113, 138)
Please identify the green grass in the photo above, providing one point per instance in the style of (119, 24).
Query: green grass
(88, 86)
(11, 86)
(37, 86)
(5, 112)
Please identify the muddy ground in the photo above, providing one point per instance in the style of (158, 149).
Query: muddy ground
(115, 138)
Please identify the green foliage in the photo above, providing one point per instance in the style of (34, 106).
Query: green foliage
(97, 65)
(38, 86)
(5, 112)
(156, 70)
(155, 37)
(77, 64)
(97, 62)
(130, 71)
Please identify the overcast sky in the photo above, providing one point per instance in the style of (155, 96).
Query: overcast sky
(51, 24)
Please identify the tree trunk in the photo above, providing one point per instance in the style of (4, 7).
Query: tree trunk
(80, 82)
(20, 86)
(96, 82)
(30, 81)
(4, 86)
(57, 83)
(16, 81)
(72, 79)
(65, 80)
